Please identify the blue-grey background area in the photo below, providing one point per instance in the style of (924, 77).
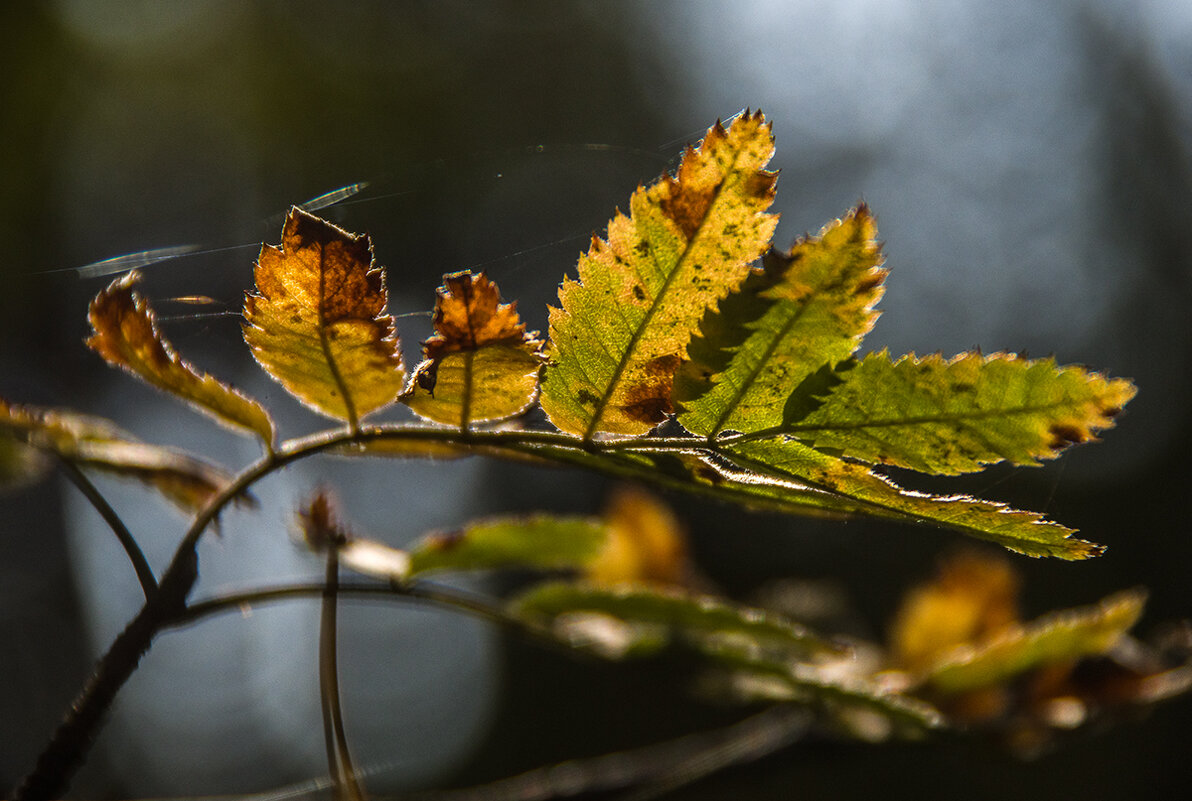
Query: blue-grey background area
(1029, 166)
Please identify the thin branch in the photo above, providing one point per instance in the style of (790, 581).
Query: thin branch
(127, 541)
(651, 770)
(339, 758)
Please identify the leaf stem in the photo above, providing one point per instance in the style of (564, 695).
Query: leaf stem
(127, 541)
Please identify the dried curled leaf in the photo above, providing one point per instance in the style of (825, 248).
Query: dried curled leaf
(806, 309)
(949, 416)
(188, 482)
(481, 365)
(126, 335)
(317, 321)
(622, 329)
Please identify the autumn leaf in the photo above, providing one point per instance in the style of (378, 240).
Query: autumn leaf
(188, 482)
(806, 309)
(974, 597)
(1058, 637)
(645, 543)
(317, 320)
(623, 327)
(126, 335)
(948, 416)
(481, 365)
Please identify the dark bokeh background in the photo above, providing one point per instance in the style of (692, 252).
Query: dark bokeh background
(1029, 165)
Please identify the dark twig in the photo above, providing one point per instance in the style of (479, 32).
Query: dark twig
(127, 541)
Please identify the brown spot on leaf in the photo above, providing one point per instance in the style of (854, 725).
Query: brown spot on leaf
(1064, 435)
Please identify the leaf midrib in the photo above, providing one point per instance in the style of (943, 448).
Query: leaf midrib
(626, 357)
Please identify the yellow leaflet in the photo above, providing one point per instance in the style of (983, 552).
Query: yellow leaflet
(622, 329)
(317, 321)
(126, 335)
(481, 365)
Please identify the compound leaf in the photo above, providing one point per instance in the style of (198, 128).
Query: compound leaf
(950, 416)
(1058, 637)
(317, 320)
(622, 329)
(806, 309)
(88, 441)
(126, 335)
(481, 365)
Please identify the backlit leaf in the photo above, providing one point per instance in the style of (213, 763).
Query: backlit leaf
(807, 309)
(1059, 637)
(957, 415)
(622, 329)
(481, 365)
(539, 541)
(876, 496)
(95, 442)
(125, 333)
(317, 320)
(699, 620)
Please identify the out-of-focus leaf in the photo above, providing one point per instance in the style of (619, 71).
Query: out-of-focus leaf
(539, 541)
(321, 526)
(126, 335)
(95, 442)
(973, 597)
(807, 309)
(1059, 637)
(317, 320)
(481, 365)
(645, 543)
(876, 496)
(758, 676)
(949, 416)
(631, 615)
(622, 329)
(19, 464)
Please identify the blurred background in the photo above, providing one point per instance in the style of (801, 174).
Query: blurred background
(1029, 167)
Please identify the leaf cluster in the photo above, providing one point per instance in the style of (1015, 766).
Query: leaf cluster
(688, 352)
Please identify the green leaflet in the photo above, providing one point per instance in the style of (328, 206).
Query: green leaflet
(539, 541)
(1058, 637)
(950, 416)
(701, 621)
(622, 329)
(808, 308)
(876, 496)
